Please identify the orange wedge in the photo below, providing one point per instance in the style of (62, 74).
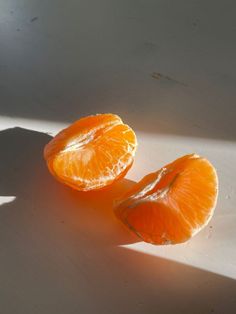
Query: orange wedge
(91, 153)
(173, 204)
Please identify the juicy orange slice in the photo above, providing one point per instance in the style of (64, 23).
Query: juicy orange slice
(172, 204)
(92, 152)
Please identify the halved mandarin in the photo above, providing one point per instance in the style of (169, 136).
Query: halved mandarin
(92, 153)
(173, 204)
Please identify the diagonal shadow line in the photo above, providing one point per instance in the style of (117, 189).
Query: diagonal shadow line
(125, 59)
(59, 249)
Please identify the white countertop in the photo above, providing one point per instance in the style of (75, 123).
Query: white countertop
(168, 69)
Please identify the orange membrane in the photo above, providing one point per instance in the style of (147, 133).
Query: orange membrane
(92, 153)
(171, 205)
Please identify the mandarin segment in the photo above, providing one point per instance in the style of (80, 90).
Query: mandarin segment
(91, 153)
(172, 204)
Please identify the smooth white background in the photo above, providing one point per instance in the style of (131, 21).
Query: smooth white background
(168, 69)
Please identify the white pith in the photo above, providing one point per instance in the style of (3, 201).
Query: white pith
(144, 195)
(80, 144)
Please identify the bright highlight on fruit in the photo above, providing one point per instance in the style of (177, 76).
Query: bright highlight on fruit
(92, 153)
(172, 204)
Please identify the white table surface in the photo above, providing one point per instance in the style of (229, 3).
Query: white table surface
(168, 69)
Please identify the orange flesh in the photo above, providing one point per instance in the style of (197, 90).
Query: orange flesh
(172, 204)
(91, 153)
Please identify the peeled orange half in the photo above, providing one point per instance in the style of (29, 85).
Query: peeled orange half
(91, 153)
(173, 204)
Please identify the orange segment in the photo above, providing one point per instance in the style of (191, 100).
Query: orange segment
(172, 204)
(92, 152)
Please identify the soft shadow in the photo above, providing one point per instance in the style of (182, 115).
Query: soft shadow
(60, 253)
(24, 175)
